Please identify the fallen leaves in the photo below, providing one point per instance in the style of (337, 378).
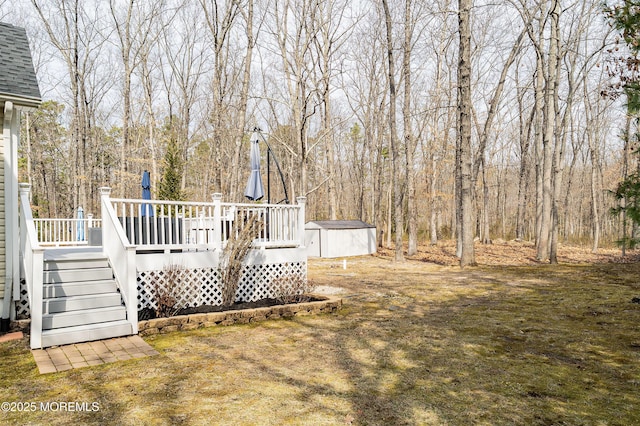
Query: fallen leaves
(511, 253)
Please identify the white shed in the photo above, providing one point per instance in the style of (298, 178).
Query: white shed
(339, 238)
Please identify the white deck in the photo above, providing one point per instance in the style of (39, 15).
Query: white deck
(70, 285)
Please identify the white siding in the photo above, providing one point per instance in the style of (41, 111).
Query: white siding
(2, 211)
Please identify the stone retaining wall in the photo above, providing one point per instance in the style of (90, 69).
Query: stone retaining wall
(245, 316)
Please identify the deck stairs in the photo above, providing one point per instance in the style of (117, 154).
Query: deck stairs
(81, 301)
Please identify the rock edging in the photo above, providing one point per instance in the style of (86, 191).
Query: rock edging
(329, 304)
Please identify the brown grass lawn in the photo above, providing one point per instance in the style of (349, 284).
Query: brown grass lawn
(416, 343)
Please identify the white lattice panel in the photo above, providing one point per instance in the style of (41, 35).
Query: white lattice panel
(202, 286)
(22, 305)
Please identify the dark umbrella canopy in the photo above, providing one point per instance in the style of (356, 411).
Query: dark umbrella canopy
(255, 189)
(147, 210)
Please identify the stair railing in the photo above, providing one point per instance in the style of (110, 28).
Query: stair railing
(122, 256)
(33, 264)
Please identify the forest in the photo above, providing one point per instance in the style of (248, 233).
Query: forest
(430, 119)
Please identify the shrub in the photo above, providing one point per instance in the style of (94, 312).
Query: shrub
(167, 291)
(233, 255)
(292, 288)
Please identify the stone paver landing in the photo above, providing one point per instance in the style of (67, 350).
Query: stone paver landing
(79, 355)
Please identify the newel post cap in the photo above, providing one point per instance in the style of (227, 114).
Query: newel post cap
(24, 187)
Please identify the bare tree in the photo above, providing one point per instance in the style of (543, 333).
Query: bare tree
(409, 138)
(133, 23)
(221, 19)
(248, 16)
(496, 98)
(317, 73)
(463, 150)
(75, 34)
(182, 73)
(294, 36)
(367, 95)
(393, 137)
(331, 33)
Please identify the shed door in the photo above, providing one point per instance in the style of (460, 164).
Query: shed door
(314, 247)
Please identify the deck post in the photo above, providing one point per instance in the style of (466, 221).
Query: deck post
(105, 193)
(217, 220)
(301, 219)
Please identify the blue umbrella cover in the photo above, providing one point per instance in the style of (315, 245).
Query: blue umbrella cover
(147, 210)
(80, 225)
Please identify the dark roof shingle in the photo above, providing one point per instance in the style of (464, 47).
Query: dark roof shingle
(337, 224)
(17, 76)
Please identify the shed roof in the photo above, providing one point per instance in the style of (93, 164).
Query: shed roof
(337, 224)
(17, 76)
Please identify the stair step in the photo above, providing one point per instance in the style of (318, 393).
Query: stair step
(77, 303)
(75, 275)
(86, 333)
(73, 253)
(60, 265)
(78, 288)
(75, 258)
(89, 316)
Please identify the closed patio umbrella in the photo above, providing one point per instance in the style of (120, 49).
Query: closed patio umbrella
(80, 225)
(255, 189)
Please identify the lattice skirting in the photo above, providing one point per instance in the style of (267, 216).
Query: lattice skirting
(202, 286)
(22, 305)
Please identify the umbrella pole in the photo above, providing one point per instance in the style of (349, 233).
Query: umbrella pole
(268, 192)
(284, 186)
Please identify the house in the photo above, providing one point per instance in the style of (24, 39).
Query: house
(19, 93)
(339, 238)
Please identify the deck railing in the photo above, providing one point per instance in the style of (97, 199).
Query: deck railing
(33, 265)
(156, 224)
(122, 257)
(171, 225)
(64, 232)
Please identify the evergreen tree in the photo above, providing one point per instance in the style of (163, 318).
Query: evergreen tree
(624, 64)
(628, 196)
(625, 17)
(170, 185)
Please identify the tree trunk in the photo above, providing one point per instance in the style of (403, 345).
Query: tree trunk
(595, 214)
(543, 244)
(552, 131)
(467, 254)
(625, 172)
(486, 239)
(236, 186)
(523, 176)
(433, 226)
(395, 154)
(409, 146)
